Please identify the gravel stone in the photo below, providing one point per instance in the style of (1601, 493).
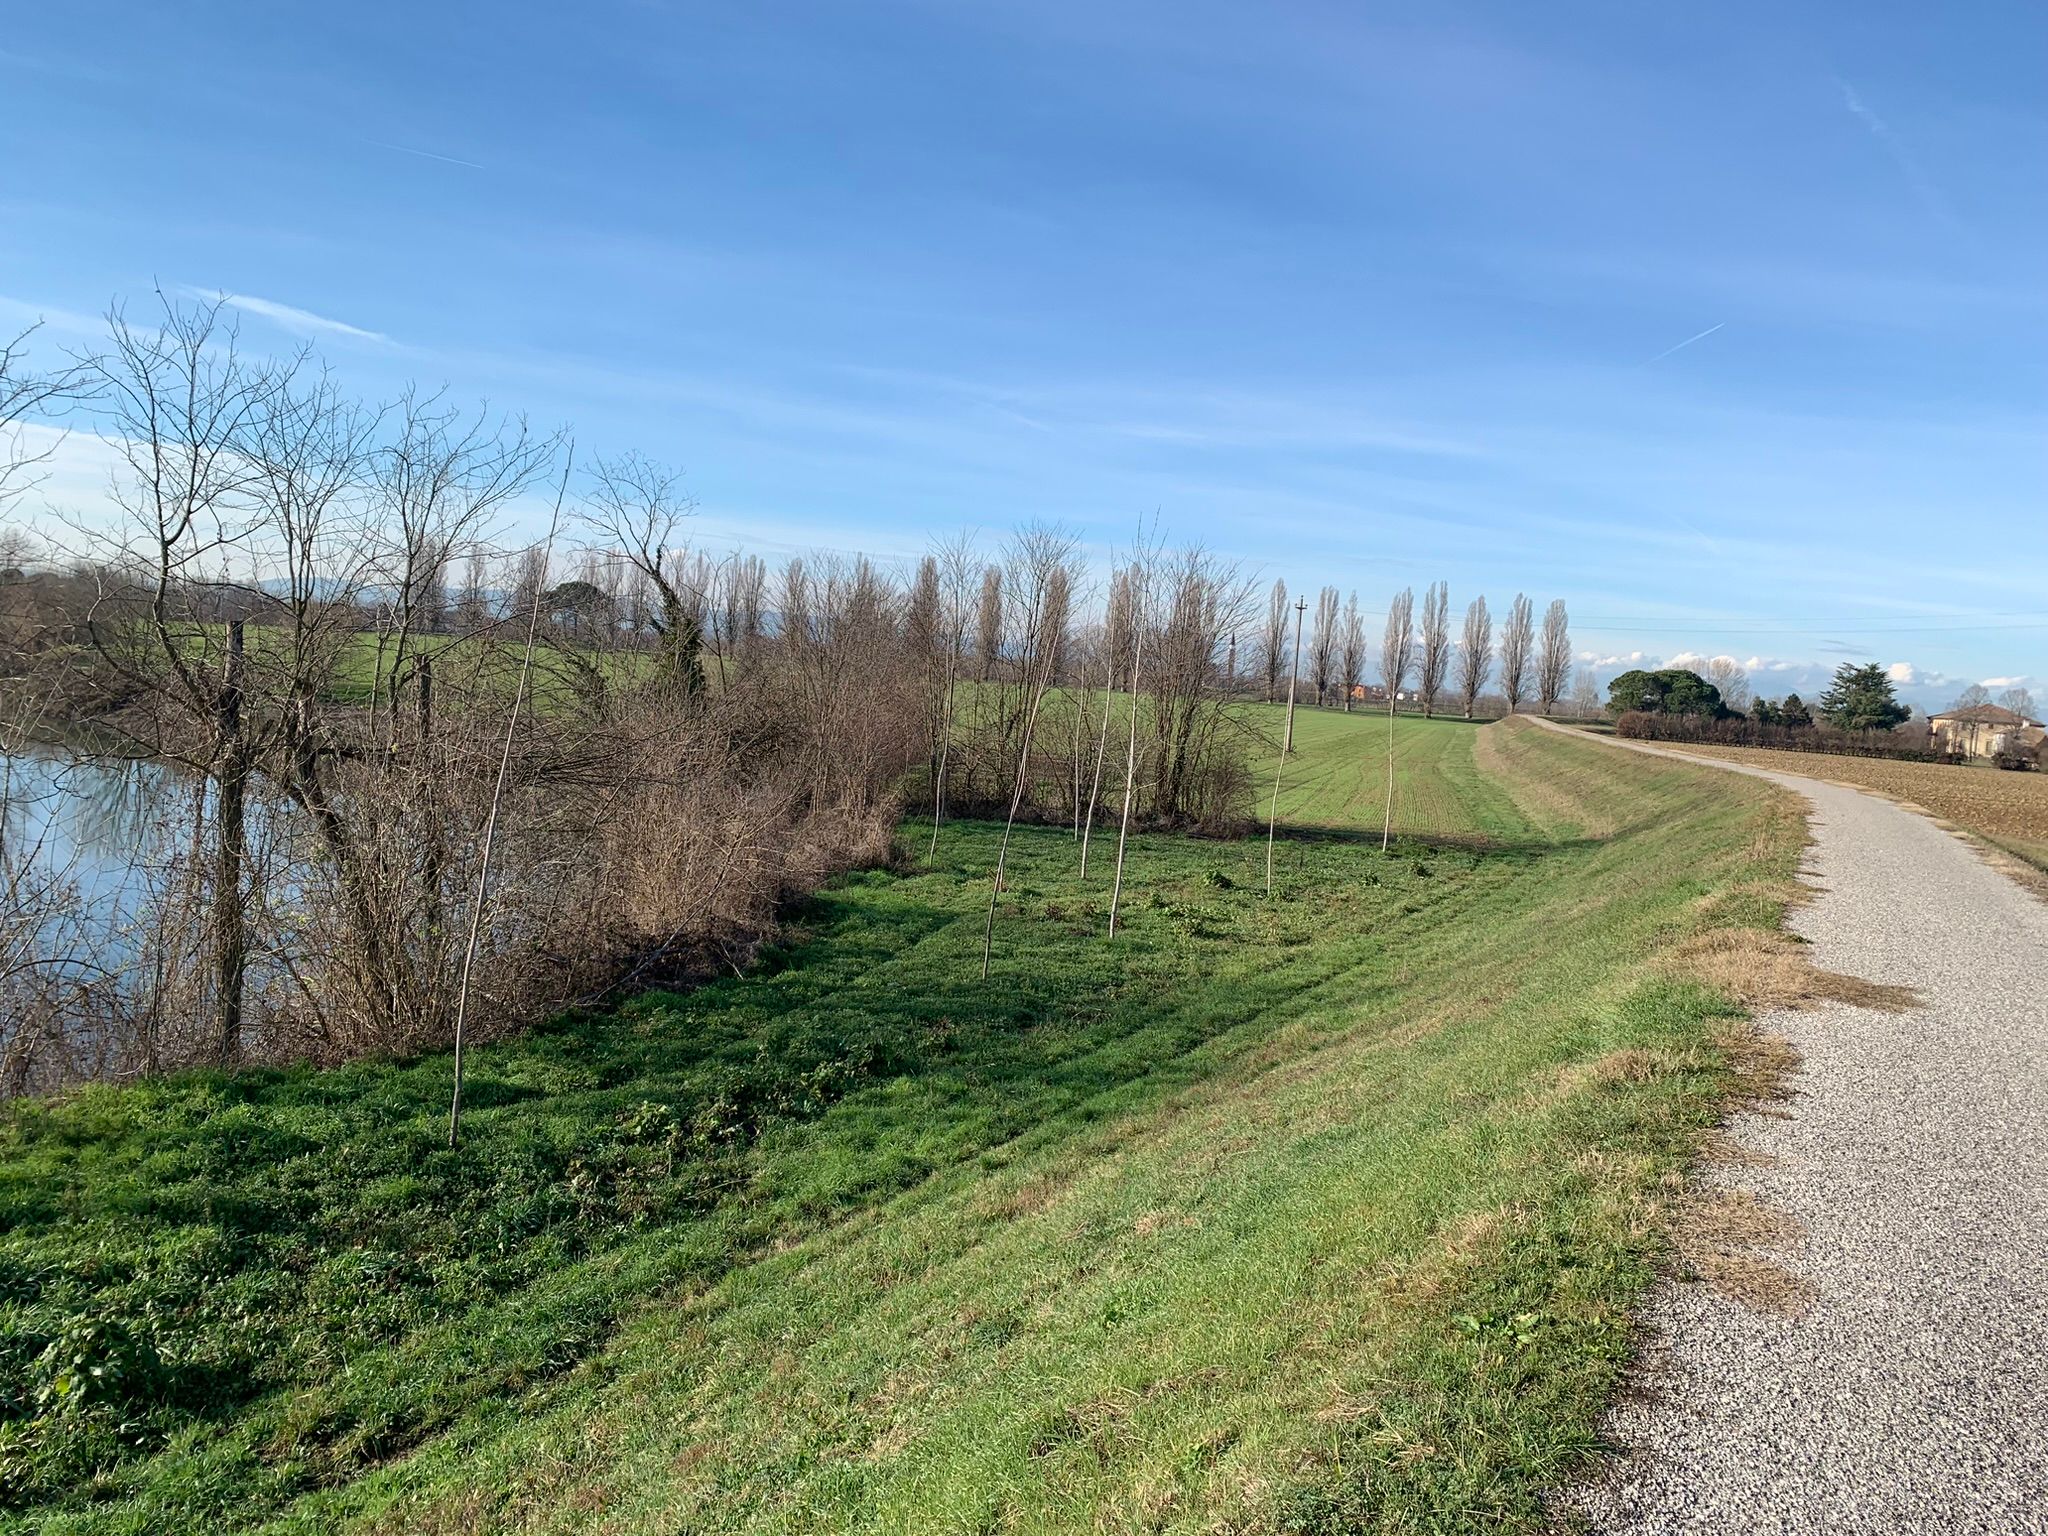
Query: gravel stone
(1912, 1393)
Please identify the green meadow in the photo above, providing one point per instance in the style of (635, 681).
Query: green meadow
(1313, 1213)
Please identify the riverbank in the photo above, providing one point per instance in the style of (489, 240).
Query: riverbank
(1327, 1208)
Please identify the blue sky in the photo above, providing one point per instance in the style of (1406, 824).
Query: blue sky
(1728, 324)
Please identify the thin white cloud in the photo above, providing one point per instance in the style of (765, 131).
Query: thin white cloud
(1928, 195)
(2008, 682)
(1681, 346)
(292, 318)
(424, 154)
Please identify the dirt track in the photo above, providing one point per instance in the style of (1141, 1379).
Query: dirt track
(1898, 1387)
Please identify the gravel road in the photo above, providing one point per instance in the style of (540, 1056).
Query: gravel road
(1911, 1395)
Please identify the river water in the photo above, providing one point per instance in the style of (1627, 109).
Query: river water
(96, 824)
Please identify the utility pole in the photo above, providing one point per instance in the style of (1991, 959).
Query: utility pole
(1293, 670)
(1287, 742)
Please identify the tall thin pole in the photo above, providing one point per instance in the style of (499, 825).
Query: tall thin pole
(1387, 825)
(1287, 741)
(1123, 835)
(483, 873)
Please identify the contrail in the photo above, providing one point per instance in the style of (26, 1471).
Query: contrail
(1703, 335)
(424, 154)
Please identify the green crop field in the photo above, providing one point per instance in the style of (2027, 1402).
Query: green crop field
(1316, 1213)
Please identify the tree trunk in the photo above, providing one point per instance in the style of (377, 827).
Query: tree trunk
(434, 855)
(230, 935)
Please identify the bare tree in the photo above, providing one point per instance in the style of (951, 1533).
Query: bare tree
(1397, 651)
(1140, 594)
(472, 601)
(1517, 639)
(1475, 654)
(1034, 597)
(950, 577)
(1322, 647)
(1586, 692)
(433, 485)
(1286, 746)
(264, 612)
(1728, 675)
(182, 404)
(988, 624)
(25, 392)
(1045, 638)
(1352, 651)
(1554, 659)
(1119, 641)
(2019, 701)
(639, 508)
(1435, 658)
(1972, 697)
(1273, 640)
(745, 602)
(1200, 599)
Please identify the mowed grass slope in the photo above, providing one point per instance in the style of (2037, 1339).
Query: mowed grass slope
(1319, 1213)
(1336, 779)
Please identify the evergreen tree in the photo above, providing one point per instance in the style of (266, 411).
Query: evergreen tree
(1672, 691)
(1793, 712)
(1861, 699)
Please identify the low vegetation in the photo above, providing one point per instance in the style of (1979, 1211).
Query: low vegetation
(1304, 1214)
(1808, 739)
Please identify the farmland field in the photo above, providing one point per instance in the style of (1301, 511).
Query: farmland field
(1299, 1214)
(2007, 809)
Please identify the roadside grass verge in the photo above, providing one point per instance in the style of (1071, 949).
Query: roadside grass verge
(2005, 809)
(1292, 1215)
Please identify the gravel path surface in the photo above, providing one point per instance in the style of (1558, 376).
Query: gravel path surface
(1911, 1395)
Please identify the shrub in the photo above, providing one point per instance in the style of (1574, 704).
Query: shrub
(1735, 731)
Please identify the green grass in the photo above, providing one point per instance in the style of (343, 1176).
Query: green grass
(1337, 778)
(482, 667)
(1314, 1214)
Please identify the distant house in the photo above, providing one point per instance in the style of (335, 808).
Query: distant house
(1983, 730)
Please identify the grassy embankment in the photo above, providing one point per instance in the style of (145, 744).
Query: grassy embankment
(1314, 1214)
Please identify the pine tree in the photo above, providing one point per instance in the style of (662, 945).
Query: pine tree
(1861, 699)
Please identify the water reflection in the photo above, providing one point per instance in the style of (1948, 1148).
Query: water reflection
(98, 823)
